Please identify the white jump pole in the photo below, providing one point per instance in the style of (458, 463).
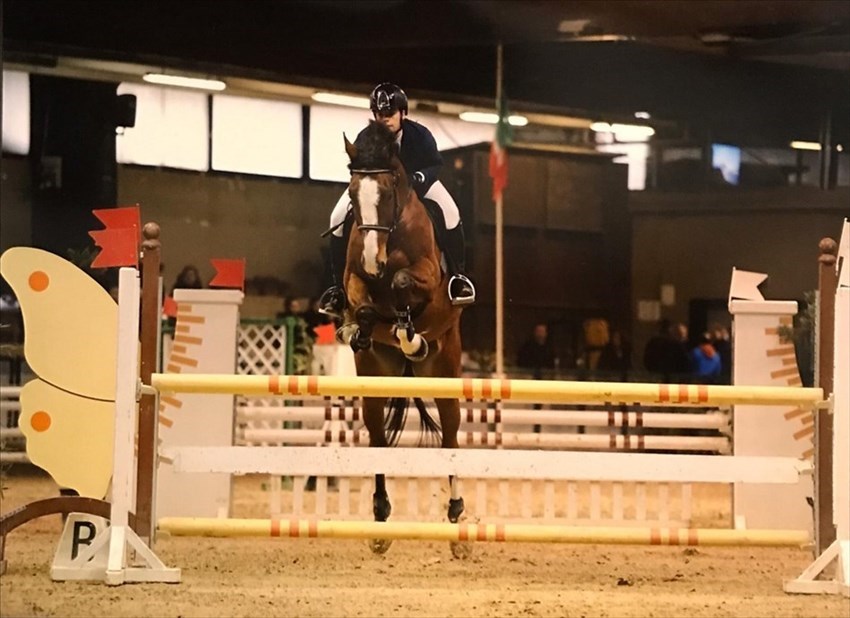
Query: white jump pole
(673, 420)
(508, 464)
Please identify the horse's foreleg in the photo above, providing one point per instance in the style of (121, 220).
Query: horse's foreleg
(416, 284)
(413, 345)
(358, 332)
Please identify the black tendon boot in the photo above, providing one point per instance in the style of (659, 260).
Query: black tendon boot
(333, 299)
(461, 290)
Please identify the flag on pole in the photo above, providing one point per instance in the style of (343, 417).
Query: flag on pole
(119, 241)
(499, 150)
(229, 273)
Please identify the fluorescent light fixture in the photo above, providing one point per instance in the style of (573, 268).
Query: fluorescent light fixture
(341, 99)
(624, 132)
(493, 118)
(801, 145)
(184, 82)
(642, 115)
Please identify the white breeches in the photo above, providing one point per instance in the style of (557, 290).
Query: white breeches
(437, 192)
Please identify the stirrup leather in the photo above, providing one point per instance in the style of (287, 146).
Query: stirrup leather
(469, 298)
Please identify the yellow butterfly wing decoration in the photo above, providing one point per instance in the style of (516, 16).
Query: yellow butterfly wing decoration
(67, 436)
(70, 331)
(70, 322)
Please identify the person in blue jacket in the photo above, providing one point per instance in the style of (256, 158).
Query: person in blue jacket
(705, 361)
(422, 162)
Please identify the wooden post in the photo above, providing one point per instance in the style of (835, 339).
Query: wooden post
(147, 430)
(824, 351)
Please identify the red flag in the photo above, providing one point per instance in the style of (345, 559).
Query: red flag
(229, 273)
(325, 334)
(119, 242)
(169, 307)
(499, 151)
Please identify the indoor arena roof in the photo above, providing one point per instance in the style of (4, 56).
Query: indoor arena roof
(750, 70)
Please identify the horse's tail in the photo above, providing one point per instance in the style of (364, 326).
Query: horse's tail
(429, 429)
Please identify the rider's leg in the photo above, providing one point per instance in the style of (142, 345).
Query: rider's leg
(333, 301)
(461, 290)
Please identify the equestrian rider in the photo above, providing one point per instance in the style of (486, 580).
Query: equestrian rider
(422, 161)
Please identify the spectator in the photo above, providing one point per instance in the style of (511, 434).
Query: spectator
(720, 339)
(188, 279)
(616, 356)
(656, 351)
(666, 354)
(537, 354)
(705, 361)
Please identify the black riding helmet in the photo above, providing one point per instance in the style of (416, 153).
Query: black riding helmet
(388, 98)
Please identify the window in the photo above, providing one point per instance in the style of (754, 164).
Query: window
(172, 129)
(16, 112)
(328, 160)
(256, 136)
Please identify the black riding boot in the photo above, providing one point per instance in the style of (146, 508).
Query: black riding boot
(461, 290)
(333, 299)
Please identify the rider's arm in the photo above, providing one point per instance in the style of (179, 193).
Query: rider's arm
(421, 154)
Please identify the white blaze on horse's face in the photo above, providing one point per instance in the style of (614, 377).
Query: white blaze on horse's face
(374, 247)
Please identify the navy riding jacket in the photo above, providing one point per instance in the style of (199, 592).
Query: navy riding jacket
(419, 153)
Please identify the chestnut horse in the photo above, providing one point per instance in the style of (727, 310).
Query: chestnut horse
(399, 320)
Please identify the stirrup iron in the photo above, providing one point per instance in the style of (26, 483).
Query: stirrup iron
(461, 300)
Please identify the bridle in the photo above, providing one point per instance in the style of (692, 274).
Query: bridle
(374, 172)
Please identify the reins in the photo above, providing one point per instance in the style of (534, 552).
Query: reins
(387, 229)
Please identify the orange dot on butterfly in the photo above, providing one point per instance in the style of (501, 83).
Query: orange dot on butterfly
(40, 421)
(39, 281)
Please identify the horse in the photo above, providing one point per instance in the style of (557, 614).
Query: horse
(399, 319)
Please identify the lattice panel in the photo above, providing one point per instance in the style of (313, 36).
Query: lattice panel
(261, 350)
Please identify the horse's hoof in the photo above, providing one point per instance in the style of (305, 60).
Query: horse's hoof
(461, 550)
(455, 509)
(360, 343)
(346, 332)
(402, 280)
(380, 546)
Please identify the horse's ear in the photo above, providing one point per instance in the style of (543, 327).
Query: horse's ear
(350, 149)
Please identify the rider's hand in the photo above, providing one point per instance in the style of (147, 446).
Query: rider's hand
(417, 179)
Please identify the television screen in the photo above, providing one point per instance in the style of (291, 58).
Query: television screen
(727, 159)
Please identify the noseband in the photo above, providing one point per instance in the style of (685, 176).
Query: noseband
(374, 172)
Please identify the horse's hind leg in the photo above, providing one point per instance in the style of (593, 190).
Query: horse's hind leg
(373, 416)
(450, 423)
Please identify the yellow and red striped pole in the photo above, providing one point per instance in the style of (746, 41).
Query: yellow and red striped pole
(478, 388)
(503, 533)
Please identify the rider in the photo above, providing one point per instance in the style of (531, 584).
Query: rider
(422, 161)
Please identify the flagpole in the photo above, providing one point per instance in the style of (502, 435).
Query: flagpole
(500, 292)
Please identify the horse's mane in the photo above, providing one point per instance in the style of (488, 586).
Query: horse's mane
(375, 147)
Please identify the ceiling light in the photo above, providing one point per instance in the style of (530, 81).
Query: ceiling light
(184, 82)
(839, 148)
(643, 115)
(493, 118)
(341, 99)
(624, 132)
(800, 145)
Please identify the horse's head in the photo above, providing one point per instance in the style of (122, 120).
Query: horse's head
(378, 182)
